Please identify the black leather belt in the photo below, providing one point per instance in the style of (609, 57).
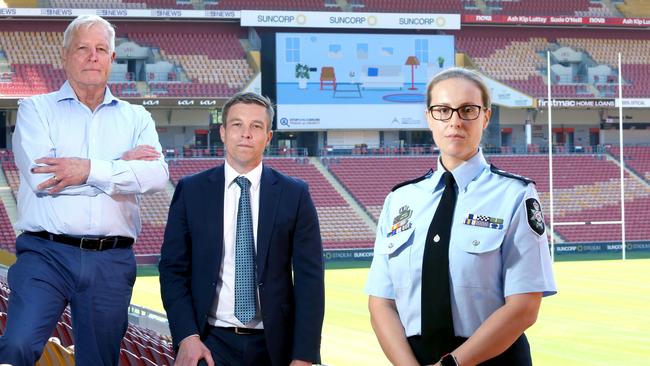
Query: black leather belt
(243, 331)
(86, 242)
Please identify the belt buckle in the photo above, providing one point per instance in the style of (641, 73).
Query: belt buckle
(81, 244)
(101, 243)
(242, 331)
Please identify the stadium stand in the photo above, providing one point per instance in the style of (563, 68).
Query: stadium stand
(313, 5)
(583, 185)
(212, 71)
(411, 6)
(138, 343)
(341, 226)
(7, 235)
(207, 59)
(548, 7)
(12, 175)
(636, 158)
(355, 173)
(153, 209)
(520, 60)
(35, 62)
(103, 4)
(634, 8)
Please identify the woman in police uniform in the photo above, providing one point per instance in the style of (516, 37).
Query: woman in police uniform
(495, 258)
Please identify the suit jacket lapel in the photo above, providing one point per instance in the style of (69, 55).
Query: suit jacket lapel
(269, 201)
(213, 218)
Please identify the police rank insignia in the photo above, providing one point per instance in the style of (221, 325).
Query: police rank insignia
(535, 216)
(401, 221)
(484, 221)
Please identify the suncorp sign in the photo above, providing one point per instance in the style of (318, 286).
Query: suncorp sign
(322, 19)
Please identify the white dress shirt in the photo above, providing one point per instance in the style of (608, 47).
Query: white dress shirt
(59, 125)
(223, 308)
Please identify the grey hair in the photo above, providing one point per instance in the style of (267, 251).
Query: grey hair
(88, 21)
(249, 98)
(461, 73)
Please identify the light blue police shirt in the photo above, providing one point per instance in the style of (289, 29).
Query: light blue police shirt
(59, 125)
(494, 251)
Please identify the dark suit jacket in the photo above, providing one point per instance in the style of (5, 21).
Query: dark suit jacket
(288, 237)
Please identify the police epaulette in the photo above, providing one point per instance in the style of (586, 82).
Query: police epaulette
(496, 170)
(400, 185)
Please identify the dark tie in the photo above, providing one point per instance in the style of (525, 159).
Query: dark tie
(437, 323)
(244, 256)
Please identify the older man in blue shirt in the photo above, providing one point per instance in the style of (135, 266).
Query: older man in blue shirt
(84, 158)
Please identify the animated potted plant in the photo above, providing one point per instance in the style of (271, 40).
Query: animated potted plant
(302, 74)
(441, 61)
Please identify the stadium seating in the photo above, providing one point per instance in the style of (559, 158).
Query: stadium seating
(101, 4)
(209, 57)
(7, 235)
(138, 343)
(412, 6)
(12, 174)
(547, 7)
(583, 185)
(636, 158)
(341, 226)
(356, 173)
(313, 5)
(153, 211)
(520, 60)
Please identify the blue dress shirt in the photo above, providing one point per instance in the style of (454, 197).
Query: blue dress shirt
(59, 125)
(488, 260)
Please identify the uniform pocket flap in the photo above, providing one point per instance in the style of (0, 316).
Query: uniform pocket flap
(481, 240)
(396, 243)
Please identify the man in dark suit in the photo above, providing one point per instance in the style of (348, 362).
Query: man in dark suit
(241, 268)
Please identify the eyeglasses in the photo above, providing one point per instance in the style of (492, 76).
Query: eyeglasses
(467, 112)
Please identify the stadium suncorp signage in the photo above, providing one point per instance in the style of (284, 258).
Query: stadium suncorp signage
(318, 19)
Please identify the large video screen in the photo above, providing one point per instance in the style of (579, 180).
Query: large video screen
(356, 81)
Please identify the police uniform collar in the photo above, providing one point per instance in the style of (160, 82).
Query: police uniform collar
(465, 172)
(66, 92)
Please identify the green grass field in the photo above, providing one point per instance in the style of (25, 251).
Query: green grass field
(600, 316)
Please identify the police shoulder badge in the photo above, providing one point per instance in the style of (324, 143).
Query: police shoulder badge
(535, 216)
(401, 221)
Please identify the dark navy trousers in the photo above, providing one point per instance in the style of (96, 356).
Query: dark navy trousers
(231, 349)
(48, 276)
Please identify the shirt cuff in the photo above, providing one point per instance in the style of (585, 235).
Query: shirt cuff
(100, 173)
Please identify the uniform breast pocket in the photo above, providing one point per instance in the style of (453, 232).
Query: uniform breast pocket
(398, 249)
(475, 257)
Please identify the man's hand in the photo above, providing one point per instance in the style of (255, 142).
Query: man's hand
(67, 172)
(141, 152)
(191, 350)
(300, 363)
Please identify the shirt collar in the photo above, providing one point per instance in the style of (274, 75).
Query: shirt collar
(465, 172)
(254, 176)
(66, 92)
